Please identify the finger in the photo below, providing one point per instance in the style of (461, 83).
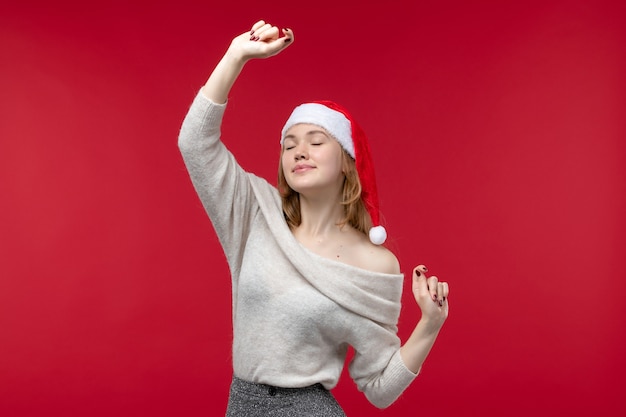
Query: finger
(277, 45)
(255, 35)
(288, 35)
(440, 297)
(268, 34)
(419, 279)
(432, 287)
(256, 26)
(422, 268)
(445, 290)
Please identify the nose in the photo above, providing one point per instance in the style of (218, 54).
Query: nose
(300, 153)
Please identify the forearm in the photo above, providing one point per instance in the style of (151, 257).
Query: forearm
(419, 344)
(223, 77)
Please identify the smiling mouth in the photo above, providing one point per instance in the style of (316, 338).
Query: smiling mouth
(302, 168)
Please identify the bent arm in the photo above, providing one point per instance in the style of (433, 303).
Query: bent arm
(218, 179)
(381, 368)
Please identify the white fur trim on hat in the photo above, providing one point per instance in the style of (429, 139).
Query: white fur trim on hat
(317, 114)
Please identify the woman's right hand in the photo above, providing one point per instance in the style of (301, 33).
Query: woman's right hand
(262, 41)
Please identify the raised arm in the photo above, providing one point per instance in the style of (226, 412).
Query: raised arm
(432, 297)
(220, 182)
(262, 41)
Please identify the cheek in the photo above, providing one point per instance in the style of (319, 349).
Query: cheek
(284, 167)
(340, 162)
(332, 156)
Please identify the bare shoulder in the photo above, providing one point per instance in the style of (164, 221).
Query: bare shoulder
(354, 248)
(378, 258)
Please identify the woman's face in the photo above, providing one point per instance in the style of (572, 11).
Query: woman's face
(312, 160)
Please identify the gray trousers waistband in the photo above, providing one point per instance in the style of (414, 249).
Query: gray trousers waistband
(251, 400)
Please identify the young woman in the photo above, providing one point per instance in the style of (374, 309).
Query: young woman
(307, 280)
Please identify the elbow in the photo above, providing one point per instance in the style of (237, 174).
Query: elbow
(183, 142)
(379, 402)
(186, 136)
(186, 144)
(381, 398)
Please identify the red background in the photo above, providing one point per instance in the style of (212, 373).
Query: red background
(498, 133)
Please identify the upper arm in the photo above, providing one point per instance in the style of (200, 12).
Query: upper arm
(220, 182)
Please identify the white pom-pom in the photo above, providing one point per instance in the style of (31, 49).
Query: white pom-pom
(378, 235)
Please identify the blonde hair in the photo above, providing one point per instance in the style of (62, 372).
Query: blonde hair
(355, 213)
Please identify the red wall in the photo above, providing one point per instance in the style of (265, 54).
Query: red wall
(498, 133)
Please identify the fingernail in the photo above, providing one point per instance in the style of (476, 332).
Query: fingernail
(425, 269)
(251, 38)
(252, 32)
(287, 40)
(440, 303)
(417, 272)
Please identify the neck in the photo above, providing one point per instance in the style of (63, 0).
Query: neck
(319, 217)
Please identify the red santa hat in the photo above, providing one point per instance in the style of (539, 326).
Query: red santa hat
(337, 121)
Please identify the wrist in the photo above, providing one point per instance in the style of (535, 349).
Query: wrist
(430, 326)
(235, 57)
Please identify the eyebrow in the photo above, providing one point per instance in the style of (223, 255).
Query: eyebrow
(309, 133)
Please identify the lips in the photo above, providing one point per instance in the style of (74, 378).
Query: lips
(302, 168)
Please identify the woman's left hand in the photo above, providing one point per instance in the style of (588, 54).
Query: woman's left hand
(431, 296)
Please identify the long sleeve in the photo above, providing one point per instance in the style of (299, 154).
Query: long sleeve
(222, 185)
